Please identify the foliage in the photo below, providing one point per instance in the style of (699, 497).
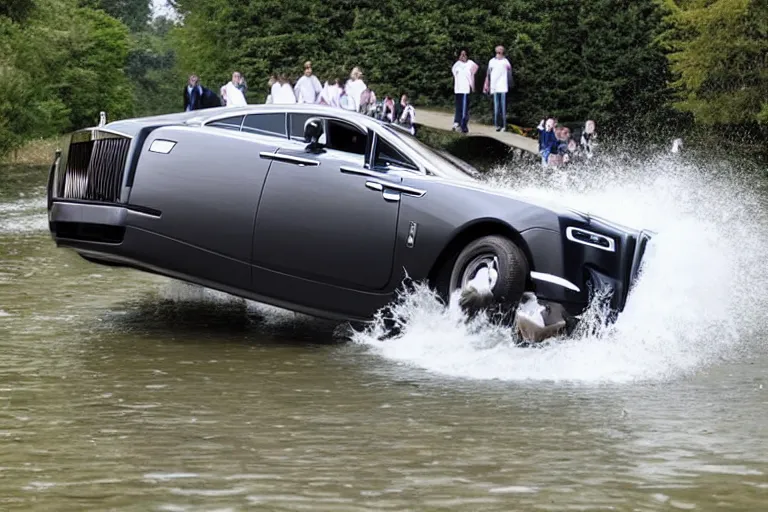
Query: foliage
(719, 54)
(151, 68)
(625, 72)
(16, 10)
(95, 79)
(27, 106)
(133, 13)
(629, 65)
(59, 67)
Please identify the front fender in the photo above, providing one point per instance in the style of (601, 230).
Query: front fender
(549, 263)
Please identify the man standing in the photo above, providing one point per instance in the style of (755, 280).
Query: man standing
(497, 83)
(193, 94)
(308, 87)
(463, 83)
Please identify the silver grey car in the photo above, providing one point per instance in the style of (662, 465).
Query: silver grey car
(320, 211)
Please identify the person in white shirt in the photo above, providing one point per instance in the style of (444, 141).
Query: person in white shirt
(331, 93)
(497, 83)
(271, 86)
(231, 93)
(308, 87)
(282, 92)
(463, 83)
(355, 87)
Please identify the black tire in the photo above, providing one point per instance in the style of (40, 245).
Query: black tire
(512, 269)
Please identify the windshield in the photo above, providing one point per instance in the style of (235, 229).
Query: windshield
(444, 163)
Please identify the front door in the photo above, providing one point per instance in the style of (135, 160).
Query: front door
(321, 218)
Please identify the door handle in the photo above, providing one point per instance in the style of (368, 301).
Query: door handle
(289, 159)
(359, 172)
(389, 195)
(377, 177)
(415, 192)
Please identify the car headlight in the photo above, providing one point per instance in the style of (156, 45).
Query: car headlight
(590, 238)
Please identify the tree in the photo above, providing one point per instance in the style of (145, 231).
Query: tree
(134, 13)
(719, 55)
(17, 10)
(151, 69)
(95, 77)
(58, 69)
(625, 69)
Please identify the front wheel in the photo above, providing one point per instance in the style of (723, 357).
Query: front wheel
(499, 265)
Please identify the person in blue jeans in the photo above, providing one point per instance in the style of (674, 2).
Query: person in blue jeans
(463, 83)
(497, 80)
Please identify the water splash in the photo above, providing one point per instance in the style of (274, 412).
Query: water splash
(700, 294)
(23, 216)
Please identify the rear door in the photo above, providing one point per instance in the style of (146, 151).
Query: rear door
(324, 216)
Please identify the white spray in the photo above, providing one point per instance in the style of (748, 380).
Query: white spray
(700, 296)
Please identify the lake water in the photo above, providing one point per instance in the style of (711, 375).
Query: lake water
(125, 391)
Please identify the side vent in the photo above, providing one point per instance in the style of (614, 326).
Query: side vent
(582, 236)
(94, 167)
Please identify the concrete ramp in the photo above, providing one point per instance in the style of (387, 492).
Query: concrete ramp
(444, 121)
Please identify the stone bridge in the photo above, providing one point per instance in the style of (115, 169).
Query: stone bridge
(444, 121)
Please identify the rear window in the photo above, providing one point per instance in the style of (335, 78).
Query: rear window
(266, 124)
(229, 123)
(297, 125)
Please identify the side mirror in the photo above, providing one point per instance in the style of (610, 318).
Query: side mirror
(313, 131)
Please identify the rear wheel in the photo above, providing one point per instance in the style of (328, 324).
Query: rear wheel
(497, 252)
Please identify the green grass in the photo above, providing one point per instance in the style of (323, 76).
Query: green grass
(36, 152)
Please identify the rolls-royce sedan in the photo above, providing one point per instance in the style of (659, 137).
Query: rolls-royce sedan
(321, 211)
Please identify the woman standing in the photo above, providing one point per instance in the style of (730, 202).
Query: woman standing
(232, 94)
(355, 87)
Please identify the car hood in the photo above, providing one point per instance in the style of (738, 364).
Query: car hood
(479, 186)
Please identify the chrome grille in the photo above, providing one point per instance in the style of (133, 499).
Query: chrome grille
(94, 169)
(76, 176)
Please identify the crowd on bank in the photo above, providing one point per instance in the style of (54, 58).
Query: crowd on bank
(352, 94)
(557, 145)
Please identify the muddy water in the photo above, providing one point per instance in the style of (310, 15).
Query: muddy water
(125, 391)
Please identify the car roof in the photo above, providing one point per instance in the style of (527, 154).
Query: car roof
(200, 117)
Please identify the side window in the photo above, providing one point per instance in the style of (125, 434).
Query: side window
(265, 124)
(229, 123)
(345, 137)
(297, 125)
(388, 156)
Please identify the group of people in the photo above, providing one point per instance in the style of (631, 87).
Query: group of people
(352, 95)
(498, 79)
(231, 94)
(557, 146)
